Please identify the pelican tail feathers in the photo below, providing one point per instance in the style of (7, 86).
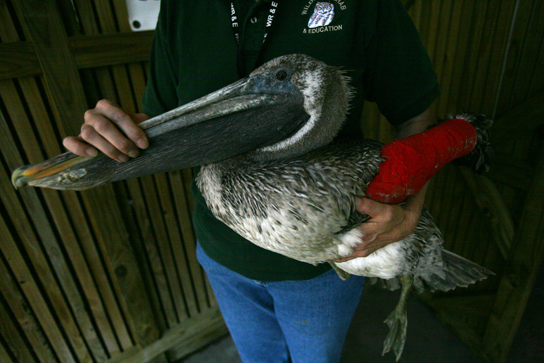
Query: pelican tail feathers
(455, 271)
(479, 159)
(458, 271)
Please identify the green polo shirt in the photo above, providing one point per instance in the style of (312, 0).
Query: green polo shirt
(194, 53)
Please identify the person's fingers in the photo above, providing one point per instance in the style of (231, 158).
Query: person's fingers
(111, 130)
(78, 147)
(89, 134)
(372, 208)
(102, 126)
(124, 122)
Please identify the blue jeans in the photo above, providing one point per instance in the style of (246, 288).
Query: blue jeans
(305, 321)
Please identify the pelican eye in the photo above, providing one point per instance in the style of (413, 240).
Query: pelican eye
(281, 75)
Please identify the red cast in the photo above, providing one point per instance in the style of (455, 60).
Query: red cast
(411, 162)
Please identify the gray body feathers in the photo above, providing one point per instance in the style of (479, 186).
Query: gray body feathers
(303, 207)
(299, 207)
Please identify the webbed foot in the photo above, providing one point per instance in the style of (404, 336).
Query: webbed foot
(398, 321)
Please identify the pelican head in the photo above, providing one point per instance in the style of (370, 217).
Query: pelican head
(326, 96)
(286, 107)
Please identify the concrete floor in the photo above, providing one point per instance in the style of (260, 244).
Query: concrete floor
(428, 340)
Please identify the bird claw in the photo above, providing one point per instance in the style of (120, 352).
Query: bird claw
(398, 325)
(398, 321)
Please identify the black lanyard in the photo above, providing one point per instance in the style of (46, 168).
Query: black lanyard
(272, 8)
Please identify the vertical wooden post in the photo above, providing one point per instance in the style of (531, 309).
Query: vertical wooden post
(43, 23)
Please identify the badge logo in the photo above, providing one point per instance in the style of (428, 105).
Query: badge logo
(322, 16)
(321, 20)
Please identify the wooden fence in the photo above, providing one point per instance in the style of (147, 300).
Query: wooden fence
(109, 275)
(489, 56)
(94, 276)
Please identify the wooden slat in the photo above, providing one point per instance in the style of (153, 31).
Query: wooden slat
(45, 27)
(187, 264)
(462, 237)
(472, 58)
(4, 355)
(66, 93)
(19, 59)
(10, 333)
(526, 42)
(107, 24)
(537, 78)
(511, 171)
(161, 269)
(474, 305)
(443, 40)
(81, 229)
(446, 196)
(31, 93)
(36, 256)
(147, 250)
(5, 17)
(165, 244)
(455, 212)
(36, 301)
(458, 83)
(89, 23)
(151, 257)
(523, 119)
(188, 336)
(490, 202)
(517, 44)
(138, 82)
(140, 209)
(452, 53)
(196, 270)
(521, 270)
(121, 263)
(93, 51)
(108, 91)
(414, 10)
(493, 72)
(433, 9)
(483, 61)
(69, 238)
(167, 277)
(178, 266)
(132, 101)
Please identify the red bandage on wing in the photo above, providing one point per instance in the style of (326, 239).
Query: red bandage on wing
(411, 162)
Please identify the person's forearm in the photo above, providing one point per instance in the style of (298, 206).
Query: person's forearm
(416, 124)
(411, 127)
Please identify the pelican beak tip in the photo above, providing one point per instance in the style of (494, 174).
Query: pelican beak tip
(17, 179)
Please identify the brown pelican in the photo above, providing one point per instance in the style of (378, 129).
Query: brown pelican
(273, 174)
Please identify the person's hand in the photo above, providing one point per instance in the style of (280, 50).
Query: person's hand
(388, 223)
(111, 130)
(391, 222)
